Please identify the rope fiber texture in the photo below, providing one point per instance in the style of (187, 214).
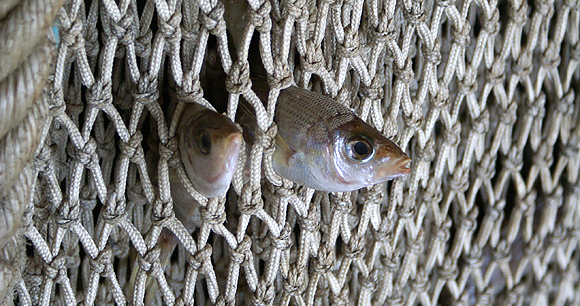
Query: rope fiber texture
(482, 95)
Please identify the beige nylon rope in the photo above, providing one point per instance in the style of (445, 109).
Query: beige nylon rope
(483, 95)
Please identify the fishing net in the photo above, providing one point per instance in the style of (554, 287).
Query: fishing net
(482, 95)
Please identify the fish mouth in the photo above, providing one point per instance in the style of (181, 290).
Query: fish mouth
(398, 168)
(402, 166)
(230, 155)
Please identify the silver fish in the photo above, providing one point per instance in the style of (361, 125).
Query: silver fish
(209, 145)
(323, 145)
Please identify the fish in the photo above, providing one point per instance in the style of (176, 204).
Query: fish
(209, 144)
(322, 144)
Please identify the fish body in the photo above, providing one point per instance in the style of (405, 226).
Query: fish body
(323, 145)
(209, 145)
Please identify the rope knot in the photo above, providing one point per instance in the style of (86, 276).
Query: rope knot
(461, 36)
(200, 257)
(566, 105)
(124, 30)
(427, 153)
(100, 95)
(294, 9)
(474, 258)
(267, 139)
(260, 18)
(42, 161)
(283, 241)
(146, 91)
(375, 91)
(355, 248)
(536, 107)
(191, 90)
(385, 31)
(87, 154)
(442, 232)
(448, 270)
(486, 168)
(162, 212)
(452, 135)
(115, 209)
(527, 202)
(238, 81)
(73, 37)
(167, 150)
(214, 21)
(421, 282)
(460, 180)
(313, 60)
(171, 28)
(311, 223)
(513, 163)
(56, 104)
(88, 198)
(508, 116)
(282, 76)
(296, 282)
(468, 84)
(243, 253)
(250, 200)
(340, 299)
(518, 15)
(496, 211)
(432, 55)
(147, 262)
(264, 294)
(56, 269)
(213, 216)
(132, 149)
(480, 124)
(468, 221)
(501, 252)
(404, 74)
(350, 47)
(342, 202)
(441, 99)
(433, 194)
(67, 212)
(415, 13)
(104, 262)
(370, 283)
(143, 44)
(325, 259)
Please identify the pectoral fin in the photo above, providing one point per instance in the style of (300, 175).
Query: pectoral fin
(283, 152)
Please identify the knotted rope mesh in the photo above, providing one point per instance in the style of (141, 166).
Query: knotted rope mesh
(482, 95)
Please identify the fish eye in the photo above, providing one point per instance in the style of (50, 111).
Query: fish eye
(359, 149)
(205, 143)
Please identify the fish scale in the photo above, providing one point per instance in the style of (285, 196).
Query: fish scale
(298, 110)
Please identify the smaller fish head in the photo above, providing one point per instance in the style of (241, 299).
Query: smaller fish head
(364, 156)
(209, 147)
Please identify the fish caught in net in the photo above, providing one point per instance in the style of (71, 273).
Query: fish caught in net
(479, 99)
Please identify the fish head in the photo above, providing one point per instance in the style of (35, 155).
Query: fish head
(209, 147)
(363, 156)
